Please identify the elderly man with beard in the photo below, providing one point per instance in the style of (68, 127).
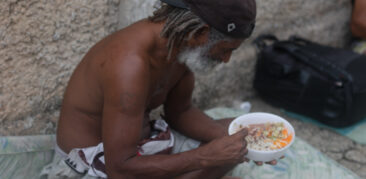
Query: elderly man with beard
(104, 128)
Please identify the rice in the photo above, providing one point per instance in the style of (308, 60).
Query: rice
(267, 137)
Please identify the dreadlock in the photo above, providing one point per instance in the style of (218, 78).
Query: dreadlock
(181, 25)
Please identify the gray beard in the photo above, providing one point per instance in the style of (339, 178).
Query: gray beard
(196, 60)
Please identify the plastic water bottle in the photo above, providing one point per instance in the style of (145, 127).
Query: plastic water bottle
(246, 107)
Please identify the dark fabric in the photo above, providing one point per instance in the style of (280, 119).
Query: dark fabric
(176, 3)
(235, 18)
(322, 82)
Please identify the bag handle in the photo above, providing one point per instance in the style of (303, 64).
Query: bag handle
(260, 42)
(298, 39)
(324, 63)
(302, 56)
(321, 65)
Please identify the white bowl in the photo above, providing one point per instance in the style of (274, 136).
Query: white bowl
(260, 118)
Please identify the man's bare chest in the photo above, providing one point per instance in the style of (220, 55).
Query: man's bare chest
(159, 93)
(163, 85)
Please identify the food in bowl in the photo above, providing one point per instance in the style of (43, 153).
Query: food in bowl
(267, 136)
(259, 121)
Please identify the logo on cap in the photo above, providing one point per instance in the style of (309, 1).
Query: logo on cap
(231, 27)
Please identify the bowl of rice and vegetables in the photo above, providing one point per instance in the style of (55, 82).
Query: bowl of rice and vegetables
(269, 136)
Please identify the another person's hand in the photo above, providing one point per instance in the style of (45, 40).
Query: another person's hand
(226, 150)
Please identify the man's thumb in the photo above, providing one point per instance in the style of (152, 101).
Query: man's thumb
(243, 132)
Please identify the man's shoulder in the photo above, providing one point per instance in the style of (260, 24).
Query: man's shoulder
(126, 52)
(126, 64)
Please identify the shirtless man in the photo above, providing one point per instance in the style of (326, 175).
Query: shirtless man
(104, 117)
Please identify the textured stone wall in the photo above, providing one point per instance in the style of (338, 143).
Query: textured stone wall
(41, 42)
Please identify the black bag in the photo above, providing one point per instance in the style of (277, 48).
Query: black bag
(325, 83)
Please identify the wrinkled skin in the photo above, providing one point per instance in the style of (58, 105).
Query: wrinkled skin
(116, 85)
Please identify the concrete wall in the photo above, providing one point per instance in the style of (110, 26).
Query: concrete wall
(41, 42)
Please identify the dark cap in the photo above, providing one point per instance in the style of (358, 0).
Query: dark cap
(176, 3)
(235, 18)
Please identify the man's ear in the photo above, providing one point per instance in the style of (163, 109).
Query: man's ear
(203, 31)
(200, 37)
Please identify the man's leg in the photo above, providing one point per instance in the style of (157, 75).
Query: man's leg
(58, 169)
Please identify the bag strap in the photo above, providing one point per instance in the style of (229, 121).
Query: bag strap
(293, 46)
(298, 39)
(301, 55)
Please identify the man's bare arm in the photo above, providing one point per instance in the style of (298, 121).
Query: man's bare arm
(186, 118)
(125, 89)
(358, 22)
(190, 120)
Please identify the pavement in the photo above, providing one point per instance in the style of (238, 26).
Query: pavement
(340, 148)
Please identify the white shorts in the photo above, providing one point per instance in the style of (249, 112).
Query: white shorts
(89, 162)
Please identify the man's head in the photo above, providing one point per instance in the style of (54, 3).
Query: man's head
(202, 59)
(201, 28)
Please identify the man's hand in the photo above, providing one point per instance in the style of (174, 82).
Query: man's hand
(226, 123)
(227, 150)
(273, 162)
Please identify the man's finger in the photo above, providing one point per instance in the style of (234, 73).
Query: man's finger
(245, 143)
(273, 162)
(242, 133)
(259, 163)
(244, 151)
(245, 160)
